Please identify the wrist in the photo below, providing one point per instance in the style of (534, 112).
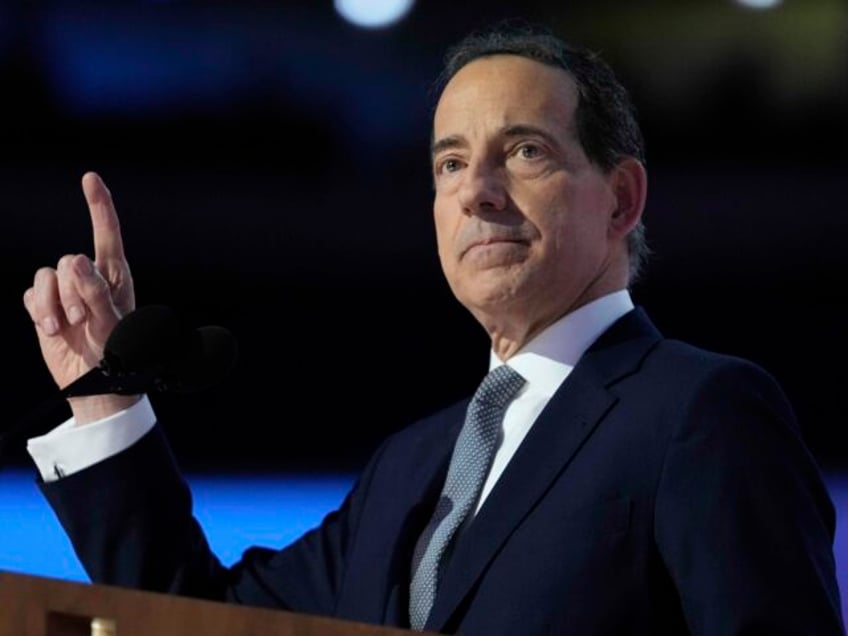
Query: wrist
(97, 407)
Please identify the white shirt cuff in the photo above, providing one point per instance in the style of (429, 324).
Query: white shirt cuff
(69, 448)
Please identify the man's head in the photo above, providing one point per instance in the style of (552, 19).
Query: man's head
(539, 179)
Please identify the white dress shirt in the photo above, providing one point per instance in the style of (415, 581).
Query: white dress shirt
(544, 362)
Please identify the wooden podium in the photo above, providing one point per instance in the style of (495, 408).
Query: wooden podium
(39, 606)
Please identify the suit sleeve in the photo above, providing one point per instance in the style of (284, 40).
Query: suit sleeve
(130, 521)
(744, 522)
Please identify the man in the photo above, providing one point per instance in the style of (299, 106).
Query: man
(638, 485)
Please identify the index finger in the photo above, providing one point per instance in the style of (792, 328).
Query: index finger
(108, 244)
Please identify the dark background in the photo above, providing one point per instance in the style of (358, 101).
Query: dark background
(269, 163)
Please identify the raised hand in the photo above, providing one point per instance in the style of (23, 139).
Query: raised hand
(75, 305)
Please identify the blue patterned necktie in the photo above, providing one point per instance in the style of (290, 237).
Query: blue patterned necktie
(472, 457)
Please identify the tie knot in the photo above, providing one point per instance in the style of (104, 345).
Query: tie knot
(500, 386)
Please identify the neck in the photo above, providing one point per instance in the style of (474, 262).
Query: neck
(510, 332)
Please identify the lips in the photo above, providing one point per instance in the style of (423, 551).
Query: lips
(492, 240)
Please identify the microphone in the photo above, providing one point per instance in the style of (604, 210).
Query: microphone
(151, 349)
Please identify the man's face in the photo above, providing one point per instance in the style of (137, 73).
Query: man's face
(521, 214)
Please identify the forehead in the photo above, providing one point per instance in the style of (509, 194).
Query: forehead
(504, 90)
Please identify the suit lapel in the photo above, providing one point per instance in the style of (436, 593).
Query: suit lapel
(562, 428)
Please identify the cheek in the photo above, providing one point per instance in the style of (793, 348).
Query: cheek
(566, 245)
(555, 227)
(445, 226)
(576, 222)
(447, 216)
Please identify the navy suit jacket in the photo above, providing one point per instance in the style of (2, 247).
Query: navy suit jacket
(663, 490)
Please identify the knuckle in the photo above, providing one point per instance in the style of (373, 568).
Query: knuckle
(43, 276)
(94, 288)
(65, 261)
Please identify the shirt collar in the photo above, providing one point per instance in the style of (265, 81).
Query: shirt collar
(548, 358)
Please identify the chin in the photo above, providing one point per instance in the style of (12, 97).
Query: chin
(492, 287)
(494, 299)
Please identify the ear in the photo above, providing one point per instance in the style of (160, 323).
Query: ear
(629, 182)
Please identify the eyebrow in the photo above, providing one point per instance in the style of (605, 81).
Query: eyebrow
(517, 130)
(447, 143)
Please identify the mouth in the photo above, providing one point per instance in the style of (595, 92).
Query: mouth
(491, 242)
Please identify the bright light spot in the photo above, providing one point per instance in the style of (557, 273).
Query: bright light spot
(373, 14)
(759, 4)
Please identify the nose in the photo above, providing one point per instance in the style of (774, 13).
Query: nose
(482, 189)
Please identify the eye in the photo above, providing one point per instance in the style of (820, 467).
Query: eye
(450, 164)
(529, 151)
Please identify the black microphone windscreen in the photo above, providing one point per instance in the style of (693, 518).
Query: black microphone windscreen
(155, 339)
(145, 339)
(210, 355)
